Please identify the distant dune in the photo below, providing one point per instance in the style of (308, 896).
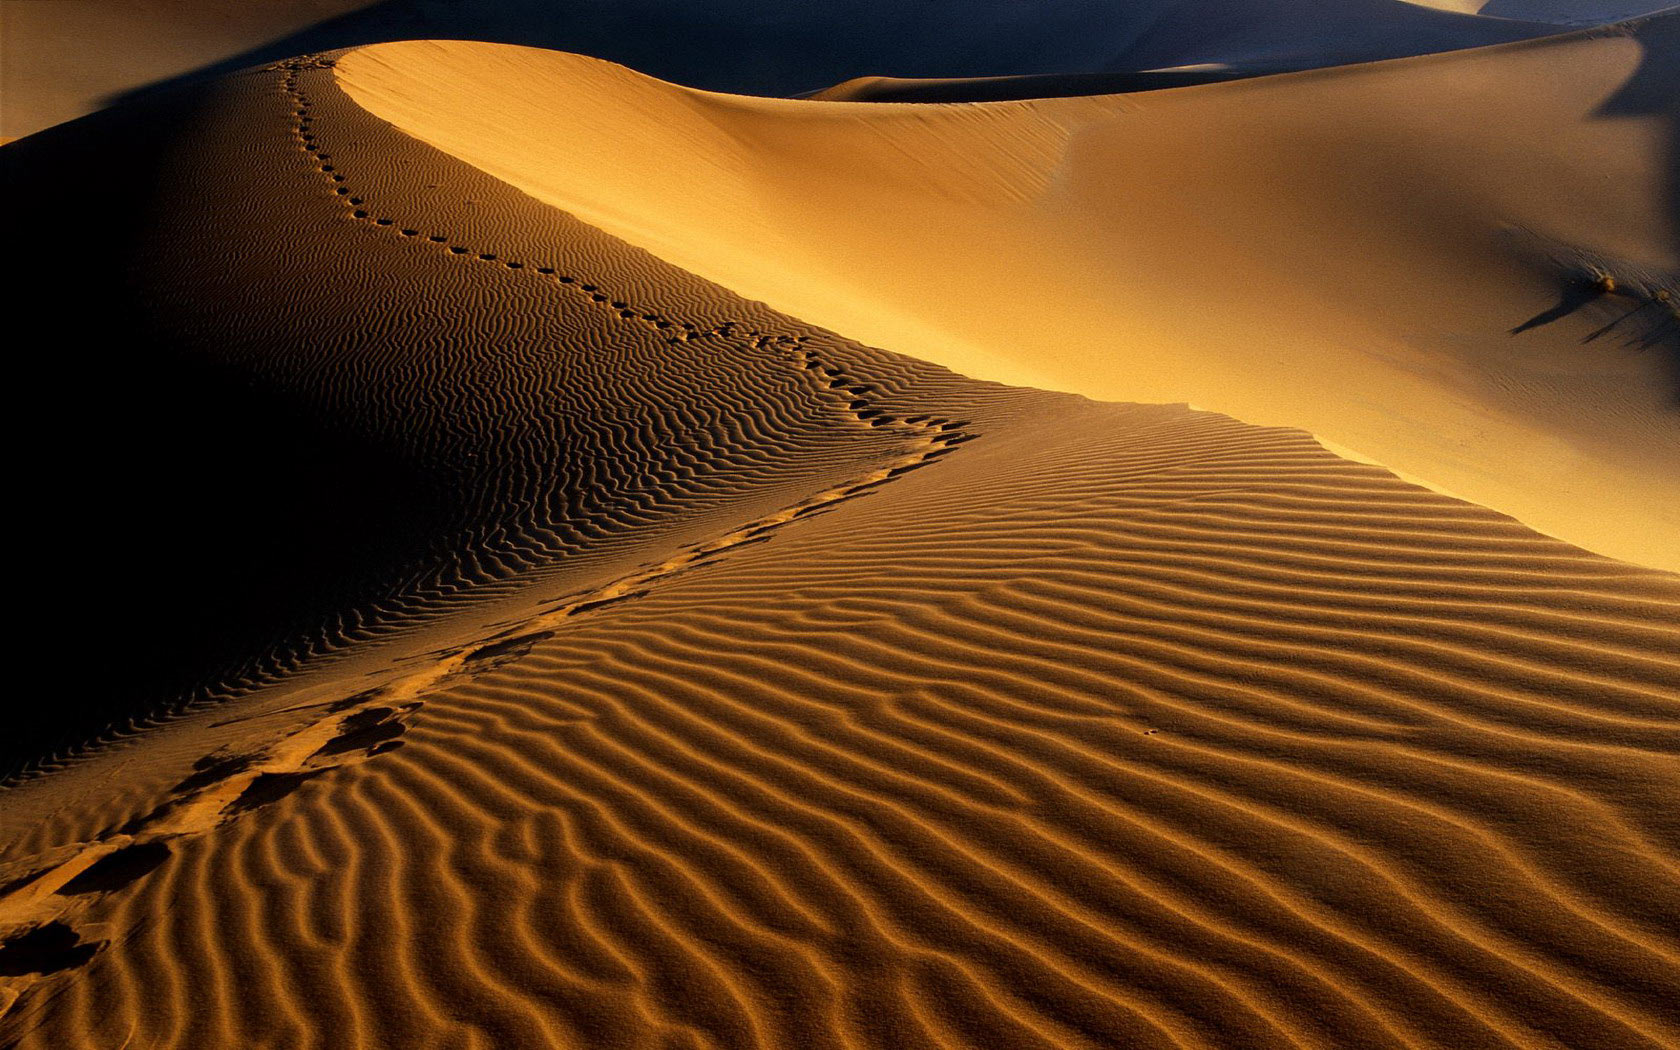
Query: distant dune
(524, 554)
(60, 59)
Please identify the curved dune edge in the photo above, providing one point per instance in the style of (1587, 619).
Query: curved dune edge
(1345, 251)
(1013, 719)
(63, 58)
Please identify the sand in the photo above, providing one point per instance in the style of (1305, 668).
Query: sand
(1345, 251)
(60, 59)
(513, 623)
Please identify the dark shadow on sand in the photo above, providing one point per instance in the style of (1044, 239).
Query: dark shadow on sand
(1576, 295)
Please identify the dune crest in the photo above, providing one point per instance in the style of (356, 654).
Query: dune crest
(60, 59)
(1346, 251)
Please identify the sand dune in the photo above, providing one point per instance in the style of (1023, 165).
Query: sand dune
(1395, 256)
(1561, 11)
(354, 445)
(60, 59)
(730, 683)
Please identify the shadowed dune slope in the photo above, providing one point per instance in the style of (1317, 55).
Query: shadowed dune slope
(292, 420)
(911, 711)
(60, 59)
(1003, 89)
(1574, 12)
(1394, 256)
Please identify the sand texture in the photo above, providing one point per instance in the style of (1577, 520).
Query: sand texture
(1390, 256)
(493, 633)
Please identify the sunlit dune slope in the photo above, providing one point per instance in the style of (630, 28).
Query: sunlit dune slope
(1037, 86)
(1346, 251)
(768, 690)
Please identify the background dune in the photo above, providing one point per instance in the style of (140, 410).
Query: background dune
(60, 59)
(1350, 251)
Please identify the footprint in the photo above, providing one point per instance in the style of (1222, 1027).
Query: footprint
(118, 869)
(211, 768)
(352, 701)
(21, 881)
(583, 607)
(269, 787)
(371, 730)
(518, 645)
(47, 948)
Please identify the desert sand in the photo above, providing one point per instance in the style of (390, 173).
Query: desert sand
(61, 59)
(1346, 251)
(533, 555)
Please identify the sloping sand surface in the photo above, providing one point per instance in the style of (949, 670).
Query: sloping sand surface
(61, 59)
(755, 688)
(1195, 736)
(296, 443)
(1352, 251)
